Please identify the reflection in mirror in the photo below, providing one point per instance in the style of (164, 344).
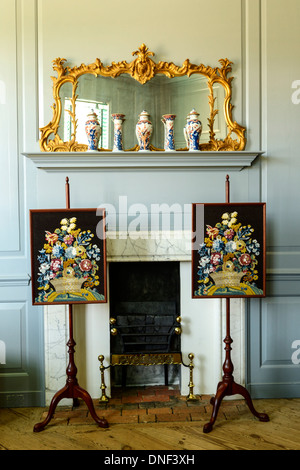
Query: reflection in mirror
(83, 108)
(66, 125)
(159, 96)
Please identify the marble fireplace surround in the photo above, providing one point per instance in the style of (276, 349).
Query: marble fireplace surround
(203, 321)
(160, 249)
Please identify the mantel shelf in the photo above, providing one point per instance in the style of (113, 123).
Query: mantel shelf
(85, 161)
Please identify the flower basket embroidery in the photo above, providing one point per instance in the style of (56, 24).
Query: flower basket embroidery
(65, 284)
(226, 279)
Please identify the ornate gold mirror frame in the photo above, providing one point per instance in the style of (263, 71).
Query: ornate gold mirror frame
(142, 69)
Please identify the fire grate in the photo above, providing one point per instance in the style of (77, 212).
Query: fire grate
(144, 333)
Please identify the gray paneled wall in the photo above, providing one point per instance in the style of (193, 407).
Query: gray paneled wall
(21, 325)
(274, 323)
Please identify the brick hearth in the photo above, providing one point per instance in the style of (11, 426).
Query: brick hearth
(146, 405)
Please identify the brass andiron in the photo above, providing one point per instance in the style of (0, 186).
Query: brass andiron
(103, 398)
(191, 396)
(146, 360)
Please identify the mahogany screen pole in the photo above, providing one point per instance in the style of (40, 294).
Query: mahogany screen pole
(67, 186)
(227, 386)
(72, 388)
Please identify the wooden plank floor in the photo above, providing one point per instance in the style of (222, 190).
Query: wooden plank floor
(167, 427)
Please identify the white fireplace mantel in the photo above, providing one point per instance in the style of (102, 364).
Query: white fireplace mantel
(86, 161)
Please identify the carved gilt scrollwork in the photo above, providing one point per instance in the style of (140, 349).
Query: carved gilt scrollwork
(142, 69)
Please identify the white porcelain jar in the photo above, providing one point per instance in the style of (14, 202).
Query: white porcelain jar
(192, 131)
(118, 120)
(144, 130)
(168, 121)
(93, 131)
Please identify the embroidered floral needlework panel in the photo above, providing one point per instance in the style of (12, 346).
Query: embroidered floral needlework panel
(68, 256)
(228, 250)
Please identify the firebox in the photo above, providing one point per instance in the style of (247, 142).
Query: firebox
(145, 322)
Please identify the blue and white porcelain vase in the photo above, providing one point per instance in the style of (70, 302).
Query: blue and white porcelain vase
(93, 131)
(192, 131)
(143, 131)
(118, 120)
(168, 121)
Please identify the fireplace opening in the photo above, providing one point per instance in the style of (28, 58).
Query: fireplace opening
(145, 321)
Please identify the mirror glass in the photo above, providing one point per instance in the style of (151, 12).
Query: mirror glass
(161, 95)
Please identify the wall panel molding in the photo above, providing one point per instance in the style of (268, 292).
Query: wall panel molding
(273, 322)
(9, 208)
(22, 374)
(22, 279)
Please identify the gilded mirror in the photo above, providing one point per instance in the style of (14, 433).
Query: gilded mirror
(129, 88)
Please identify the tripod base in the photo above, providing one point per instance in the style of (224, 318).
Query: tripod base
(228, 388)
(75, 392)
